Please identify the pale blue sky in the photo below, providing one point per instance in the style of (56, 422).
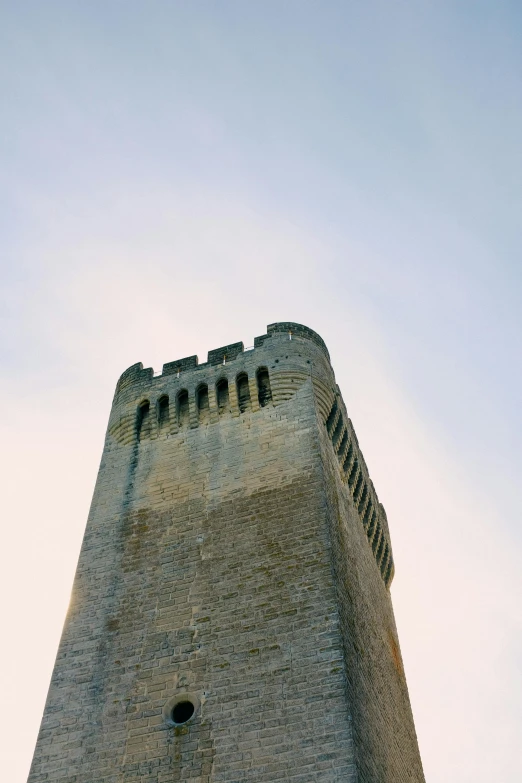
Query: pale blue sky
(176, 175)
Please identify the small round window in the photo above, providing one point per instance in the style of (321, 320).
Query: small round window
(182, 712)
(180, 709)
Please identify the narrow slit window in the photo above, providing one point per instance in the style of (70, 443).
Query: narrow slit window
(223, 399)
(243, 392)
(348, 458)
(143, 421)
(343, 444)
(380, 549)
(377, 537)
(371, 526)
(331, 416)
(367, 513)
(202, 403)
(358, 487)
(264, 391)
(163, 413)
(183, 408)
(337, 432)
(362, 501)
(353, 472)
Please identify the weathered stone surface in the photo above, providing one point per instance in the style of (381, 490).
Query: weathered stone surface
(236, 556)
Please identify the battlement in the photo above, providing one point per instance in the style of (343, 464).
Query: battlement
(293, 330)
(136, 374)
(231, 381)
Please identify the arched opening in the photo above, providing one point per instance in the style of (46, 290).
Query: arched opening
(363, 498)
(353, 472)
(264, 391)
(243, 392)
(331, 416)
(163, 413)
(367, 514)
(183, 408)
(337, 432)
(358, 486)
(222, 396)
(342, 445)
(380, 549)
(202, 403)
(143, 421)
(348, 459)
(377, 537)
(371, 526)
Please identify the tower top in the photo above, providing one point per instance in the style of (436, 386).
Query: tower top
(224, 354)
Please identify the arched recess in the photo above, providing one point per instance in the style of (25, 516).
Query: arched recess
(243, 392)
(222, 396)
(202, 403)
(377, 537)
(143, 421)
(264, 391)
(182, 408)
(163, 413)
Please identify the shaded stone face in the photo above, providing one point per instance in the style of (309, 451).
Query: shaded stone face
(231, 618)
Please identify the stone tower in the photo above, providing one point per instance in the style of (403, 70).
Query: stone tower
(231, 617)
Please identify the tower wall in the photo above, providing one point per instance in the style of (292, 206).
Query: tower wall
(384, 736)
(226, 562)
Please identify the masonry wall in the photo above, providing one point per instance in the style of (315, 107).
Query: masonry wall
(222, 559)
(384, 735)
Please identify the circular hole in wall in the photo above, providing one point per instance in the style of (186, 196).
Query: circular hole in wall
(182, 712)
(180, 708)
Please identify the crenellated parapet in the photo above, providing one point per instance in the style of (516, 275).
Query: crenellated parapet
(231, 381)
(276, 333)
(292, 330)
(234, 381)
